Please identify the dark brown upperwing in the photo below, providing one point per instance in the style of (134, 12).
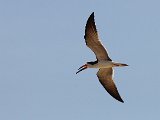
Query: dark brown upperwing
(105, 77)
(92, 40)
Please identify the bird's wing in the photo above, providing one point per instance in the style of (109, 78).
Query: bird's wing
(105, 77)
(92, 40)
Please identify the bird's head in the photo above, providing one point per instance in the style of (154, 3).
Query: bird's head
(83, 67)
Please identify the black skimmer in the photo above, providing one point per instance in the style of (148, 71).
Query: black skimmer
(103, 62)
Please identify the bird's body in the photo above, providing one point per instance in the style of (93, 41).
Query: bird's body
(103, 62)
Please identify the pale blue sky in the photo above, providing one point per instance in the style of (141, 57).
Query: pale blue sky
(42, 46)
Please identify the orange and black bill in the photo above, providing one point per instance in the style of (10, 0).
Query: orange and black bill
(82, 68)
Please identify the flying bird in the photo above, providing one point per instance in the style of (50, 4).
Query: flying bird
(103, 62)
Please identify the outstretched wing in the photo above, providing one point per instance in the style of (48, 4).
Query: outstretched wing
(105, 77)
(92, 40)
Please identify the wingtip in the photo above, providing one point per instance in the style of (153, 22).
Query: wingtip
(118, 99)
(92, 14)
(121, 101)
(91, 18)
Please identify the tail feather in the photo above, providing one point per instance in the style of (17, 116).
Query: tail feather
(120, 64)
(123, 64)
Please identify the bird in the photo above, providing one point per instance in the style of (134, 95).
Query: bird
(104, 63)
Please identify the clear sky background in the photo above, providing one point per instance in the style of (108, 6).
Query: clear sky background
(42, 46)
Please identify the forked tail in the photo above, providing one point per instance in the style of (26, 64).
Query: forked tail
(119, 64)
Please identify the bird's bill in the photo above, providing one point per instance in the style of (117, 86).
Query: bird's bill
(82, 68)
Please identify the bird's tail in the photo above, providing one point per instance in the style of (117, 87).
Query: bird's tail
(119, 64)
